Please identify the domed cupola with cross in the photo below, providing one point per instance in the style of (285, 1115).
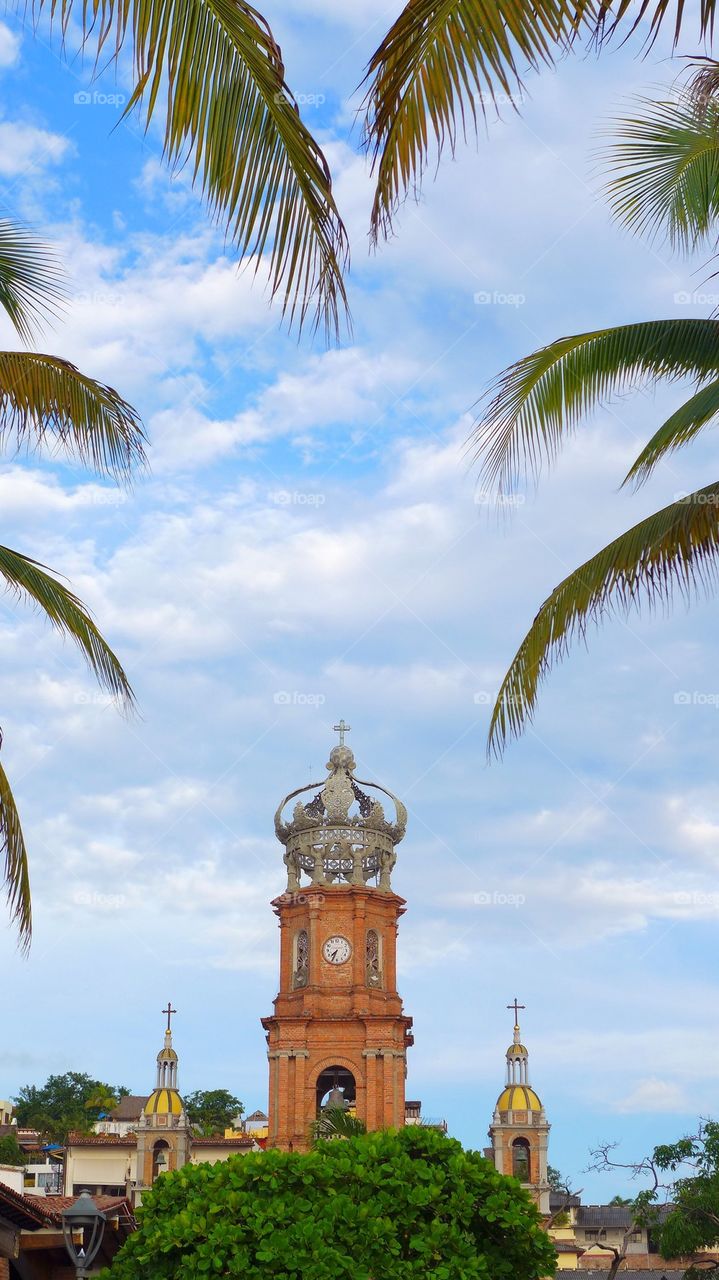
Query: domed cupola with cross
(338, 1027)
(519, 1131)
(163, 1135)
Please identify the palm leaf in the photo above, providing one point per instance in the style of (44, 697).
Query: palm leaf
(665, 169)
(696, 413)
(30, 280)
(540, 400)
(439, 61)
(703, 81)
(30, 580)
(337, 1122)
(677, 549)
(45, 400)
(442, 58)
(17, 877)
(214, 71)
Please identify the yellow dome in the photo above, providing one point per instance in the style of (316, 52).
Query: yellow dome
(517, 1051)
(167, 1055)
(518, 1097)
(164, 1102)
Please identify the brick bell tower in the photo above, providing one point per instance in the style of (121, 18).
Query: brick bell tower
(338, 1031)
(519, 1131)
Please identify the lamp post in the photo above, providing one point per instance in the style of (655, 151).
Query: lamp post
(83, 1216)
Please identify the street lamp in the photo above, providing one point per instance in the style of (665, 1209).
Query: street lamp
(83, 1216)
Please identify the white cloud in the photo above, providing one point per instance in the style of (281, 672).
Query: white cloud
(10, 44)
(25, 149)
(653, 1096)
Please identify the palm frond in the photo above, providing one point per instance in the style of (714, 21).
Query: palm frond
(47, 401)
(442, 63)
(540, 400)
(337, 1122)
(664, 169)
(32, 581)
(676, 549)
(703, 81)
(699, 411)
(213, 69)
(17, 876)
(31, 281)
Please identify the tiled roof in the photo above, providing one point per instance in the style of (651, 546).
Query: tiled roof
(560, 1200)
(19, 1209)
(669, 1274)
(130, 1108)
(33, 1212)
(566, 1246)
(76, 1139)
(258, 1115)
(51, 1207)
(604, 1215)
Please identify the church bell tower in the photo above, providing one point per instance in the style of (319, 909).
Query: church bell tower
(519, 1132)
(338, 1032)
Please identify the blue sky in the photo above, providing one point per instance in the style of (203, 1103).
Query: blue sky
(311, 544)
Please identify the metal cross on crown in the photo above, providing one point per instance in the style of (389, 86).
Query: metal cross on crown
(516, 1006)
(342, 729)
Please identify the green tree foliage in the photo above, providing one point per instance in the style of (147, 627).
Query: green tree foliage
(212, 1110)
(384, 1205)
(690, 1224)
(65, 1102)
(10, 1151)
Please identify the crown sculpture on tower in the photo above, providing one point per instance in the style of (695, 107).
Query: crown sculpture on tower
(342, 834)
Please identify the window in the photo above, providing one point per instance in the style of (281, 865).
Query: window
(373, 963)
(302, 959)
(520, 1159)
(160, 1154)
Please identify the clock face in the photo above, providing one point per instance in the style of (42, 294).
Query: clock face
(337, 950)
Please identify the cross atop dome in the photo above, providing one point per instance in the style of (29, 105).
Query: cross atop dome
(169, 1011)
(516, 1006)
(342, 729)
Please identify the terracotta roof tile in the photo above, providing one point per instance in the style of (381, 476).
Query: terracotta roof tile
(77, 1139)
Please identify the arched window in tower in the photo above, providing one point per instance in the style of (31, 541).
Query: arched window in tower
(302, 959)
(335, 1087)
(374, 959)
(520, 1159)
(159, 1158)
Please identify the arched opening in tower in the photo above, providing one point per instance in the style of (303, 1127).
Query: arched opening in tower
(336, 1088)
(159, 1158)
(520, 1159)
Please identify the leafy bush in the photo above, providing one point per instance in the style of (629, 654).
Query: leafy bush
(383, 1206)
